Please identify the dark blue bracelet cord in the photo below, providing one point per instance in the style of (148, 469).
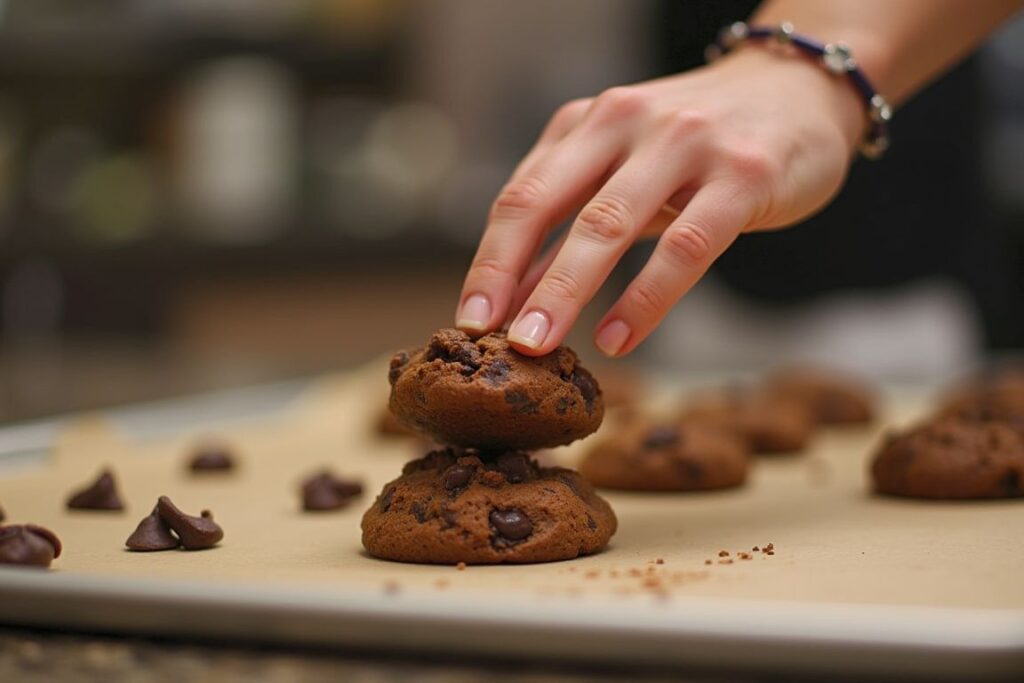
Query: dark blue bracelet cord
(836, 58)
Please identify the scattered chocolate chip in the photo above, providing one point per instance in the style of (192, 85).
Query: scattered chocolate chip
(770, 547)
(152, 534)
(723, 553)
(496, 372)
(99, 495)
(326, 491)
(195, 533)
(521, 402)
(515, 467)
(28, 545)
(212, 458)
(511, 525)
(659, 561)
(755, 549)
(662, 436)
(457, 476)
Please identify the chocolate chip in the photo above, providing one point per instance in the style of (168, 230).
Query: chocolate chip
(496, 372)
(515, 467)
(562, 407)
(690, 470)
(419, 512)
(195, 533)
(521, 402)
(99, 495)
(585, 382)
(28, 545)
(212, 458)
(452, 346)
(663, 436)
(386, 498)
(326, 491)
(397, 365)
(457, 476)
(151, 534)
(511, 525)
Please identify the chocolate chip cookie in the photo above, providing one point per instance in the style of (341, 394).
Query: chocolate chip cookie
(950, 458)
(1001, 402)
(452, 506)
(685, 456)
(833, 398)
(480, 393)
(770, 423)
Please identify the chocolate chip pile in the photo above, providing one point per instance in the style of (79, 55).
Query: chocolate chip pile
(482, 499)
(167, 528)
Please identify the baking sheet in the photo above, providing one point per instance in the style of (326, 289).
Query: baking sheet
(857, 582)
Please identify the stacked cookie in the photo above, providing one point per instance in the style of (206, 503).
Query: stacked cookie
(708, 444)
(972, 447)
(482, 499)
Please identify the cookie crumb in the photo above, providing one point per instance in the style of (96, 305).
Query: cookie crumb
(770, 552)
(391, 587)
(635, 573)
(461, 566)
(744, 556)
(769, 548)
(707, 561)
(723, 553)
(441, 584)
(659, 561)
(756, 549)
(727, 560)
(592, 574)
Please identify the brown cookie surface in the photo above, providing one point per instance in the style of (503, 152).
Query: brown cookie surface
(988, 403)
(833, 398)
(770, 423)
(453, 506)
(649, 456)
(482, 394)
(949, 458)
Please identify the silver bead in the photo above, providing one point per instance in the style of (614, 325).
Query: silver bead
(732, 35)
(838, 58)
(784, 33)
(881, 110)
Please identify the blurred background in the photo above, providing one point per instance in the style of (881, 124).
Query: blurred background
(196, 194)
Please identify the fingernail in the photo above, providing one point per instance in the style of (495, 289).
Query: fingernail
(475, 313)
(612, 337)
(531, 330)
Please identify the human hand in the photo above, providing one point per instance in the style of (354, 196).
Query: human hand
(755, 141)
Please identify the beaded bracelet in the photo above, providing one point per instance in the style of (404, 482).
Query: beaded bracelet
(837, 58)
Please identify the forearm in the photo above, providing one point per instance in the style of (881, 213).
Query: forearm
(900, 44)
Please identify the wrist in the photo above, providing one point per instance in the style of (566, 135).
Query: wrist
(806, 84)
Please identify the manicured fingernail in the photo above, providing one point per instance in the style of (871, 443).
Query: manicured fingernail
(531, 330)
(612, 337)
(475, 313)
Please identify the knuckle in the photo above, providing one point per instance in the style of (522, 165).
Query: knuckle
(570, 112)
(647, 299)
(620, 102)
(517, 198)
(752, 164)
(560, 285)
(603, 220)
(684, 122)
(488, 268)
(688, 245)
